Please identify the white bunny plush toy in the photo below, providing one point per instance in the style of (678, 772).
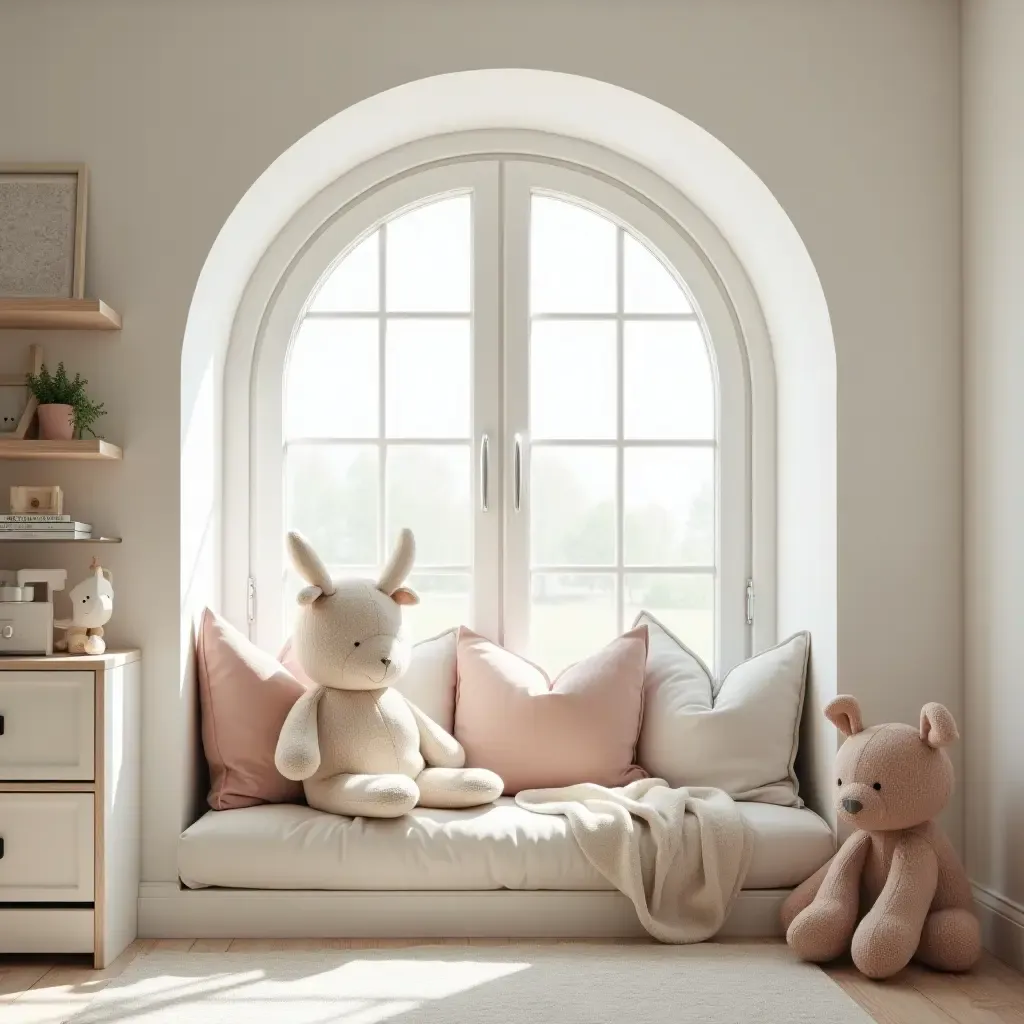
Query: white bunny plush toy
(358, 746)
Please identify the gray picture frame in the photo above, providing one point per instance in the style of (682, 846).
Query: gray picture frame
(43, 211)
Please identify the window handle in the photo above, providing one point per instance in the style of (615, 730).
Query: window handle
(517, 471)
(485, 466)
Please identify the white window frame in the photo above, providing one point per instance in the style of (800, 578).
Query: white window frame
(732, 499)
(269, 316)
(267, 462)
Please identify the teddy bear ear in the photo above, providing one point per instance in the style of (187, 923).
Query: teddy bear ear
(404, 595)
(844, 713)
(938, 728)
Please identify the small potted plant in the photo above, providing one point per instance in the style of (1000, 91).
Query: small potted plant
(65, 411)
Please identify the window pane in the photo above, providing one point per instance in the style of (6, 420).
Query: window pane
(572, 506)
(648, 285)
(293, 583)
(427, 378)
(428, 258)
(668, 388)
(332, 499)
(572, 379)
(428, 490)
(572, 258)
(331, 380)
(354, 284)
(683, 602)
(570, 617)
(444, 602)
(669, 506)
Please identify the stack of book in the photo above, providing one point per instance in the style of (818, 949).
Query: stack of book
(43, 528)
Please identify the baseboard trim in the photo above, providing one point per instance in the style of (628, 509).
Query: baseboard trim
(167, 911)
(1002, 925)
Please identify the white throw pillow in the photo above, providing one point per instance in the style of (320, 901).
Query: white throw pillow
(739, 735)
(429, 681)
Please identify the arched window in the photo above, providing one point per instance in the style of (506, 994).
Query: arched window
(534, 369)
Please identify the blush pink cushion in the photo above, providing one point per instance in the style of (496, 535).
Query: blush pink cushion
(245, 695)
(535, 734)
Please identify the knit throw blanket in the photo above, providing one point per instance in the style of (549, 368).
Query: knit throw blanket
(683, 876)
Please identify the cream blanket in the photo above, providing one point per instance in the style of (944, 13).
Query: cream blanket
(701, 849)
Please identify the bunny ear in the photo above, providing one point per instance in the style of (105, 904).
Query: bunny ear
(308, 564)
(399, 564)
(938, 729)
(844, 713)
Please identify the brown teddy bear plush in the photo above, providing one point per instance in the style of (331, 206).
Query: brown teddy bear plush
(897, 868)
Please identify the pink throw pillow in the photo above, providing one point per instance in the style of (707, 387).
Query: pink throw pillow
(536, 734)
(245, 695)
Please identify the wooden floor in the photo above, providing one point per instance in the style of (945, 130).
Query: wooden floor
(38, 990)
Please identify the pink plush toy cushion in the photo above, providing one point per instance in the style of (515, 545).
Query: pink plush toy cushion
(534, 733)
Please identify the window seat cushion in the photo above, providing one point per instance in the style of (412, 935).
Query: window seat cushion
(501, 846)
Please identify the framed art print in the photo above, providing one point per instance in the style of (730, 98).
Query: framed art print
(42, 230)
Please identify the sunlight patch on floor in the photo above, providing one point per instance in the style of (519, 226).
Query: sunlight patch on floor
(360, 991)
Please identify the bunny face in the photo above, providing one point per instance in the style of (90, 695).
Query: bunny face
(352, 639)
(348, 633)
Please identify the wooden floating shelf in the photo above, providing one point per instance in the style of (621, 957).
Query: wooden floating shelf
(58, 315)
(60, 540)
(88, 449)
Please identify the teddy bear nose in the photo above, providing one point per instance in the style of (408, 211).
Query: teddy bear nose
(852, 806)
(385, 662)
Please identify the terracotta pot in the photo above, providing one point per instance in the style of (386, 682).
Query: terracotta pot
(56, 422)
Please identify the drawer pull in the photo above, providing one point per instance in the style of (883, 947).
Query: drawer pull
(1, 847)
(1, 725)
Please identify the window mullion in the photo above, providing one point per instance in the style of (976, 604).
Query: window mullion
(516, 574)
(487, 399)
(620, 433)
(382, 458)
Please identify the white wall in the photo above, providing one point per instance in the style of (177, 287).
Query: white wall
(994, 449)
(848, 111)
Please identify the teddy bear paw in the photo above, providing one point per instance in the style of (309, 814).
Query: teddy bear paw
(883, 946)
(950, 940)
(821, 932)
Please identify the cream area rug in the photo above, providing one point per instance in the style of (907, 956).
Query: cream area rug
(561, 984)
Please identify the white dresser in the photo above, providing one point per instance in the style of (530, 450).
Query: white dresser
(69, 803)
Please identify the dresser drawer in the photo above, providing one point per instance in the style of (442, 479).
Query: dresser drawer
(37, 930)
(46, 726)
(47, 847)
